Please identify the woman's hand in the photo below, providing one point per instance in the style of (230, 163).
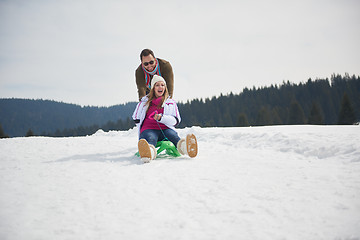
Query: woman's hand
(157, 117)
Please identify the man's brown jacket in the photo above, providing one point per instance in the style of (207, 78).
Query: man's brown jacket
(165, 71)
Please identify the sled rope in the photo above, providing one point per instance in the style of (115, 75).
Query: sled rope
(165, 138)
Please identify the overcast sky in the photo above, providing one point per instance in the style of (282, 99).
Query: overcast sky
(86, 52)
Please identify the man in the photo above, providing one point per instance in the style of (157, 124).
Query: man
(148, 68)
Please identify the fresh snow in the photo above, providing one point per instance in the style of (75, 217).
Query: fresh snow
(279, 182)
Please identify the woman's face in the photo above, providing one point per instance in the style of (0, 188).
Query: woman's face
(159, 89)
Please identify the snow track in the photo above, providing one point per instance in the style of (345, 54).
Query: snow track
(280, 182)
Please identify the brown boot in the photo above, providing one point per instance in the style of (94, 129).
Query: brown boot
(191, 145)
(147, 151)
(188, 146)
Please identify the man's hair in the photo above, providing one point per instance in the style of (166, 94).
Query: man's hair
(146, 52)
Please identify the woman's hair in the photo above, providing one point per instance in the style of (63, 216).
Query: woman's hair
(152, 96)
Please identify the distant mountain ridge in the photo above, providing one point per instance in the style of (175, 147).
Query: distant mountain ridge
(17, 116)
(316, 102)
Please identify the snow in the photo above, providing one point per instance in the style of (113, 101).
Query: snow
(279, 182)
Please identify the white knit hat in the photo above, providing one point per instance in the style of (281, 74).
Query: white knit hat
(156, 79)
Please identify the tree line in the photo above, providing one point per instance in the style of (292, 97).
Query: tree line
(119, 125)
(17, 116)
(320, 101)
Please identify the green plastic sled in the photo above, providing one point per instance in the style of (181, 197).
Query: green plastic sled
(166, 146)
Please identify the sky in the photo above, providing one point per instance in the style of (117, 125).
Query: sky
(86, 51)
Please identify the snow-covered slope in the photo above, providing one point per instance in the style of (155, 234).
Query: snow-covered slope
(281, 182)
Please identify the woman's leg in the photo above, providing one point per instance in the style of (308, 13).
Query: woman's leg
(171, 135)
(151, 136)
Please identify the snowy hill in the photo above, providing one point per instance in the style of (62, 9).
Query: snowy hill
(281, 182)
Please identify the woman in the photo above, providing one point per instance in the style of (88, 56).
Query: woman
(156, 116)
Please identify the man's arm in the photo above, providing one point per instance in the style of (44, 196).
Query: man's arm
(140, 83)
(168, 75)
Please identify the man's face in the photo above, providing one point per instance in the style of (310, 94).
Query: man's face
(146, 62)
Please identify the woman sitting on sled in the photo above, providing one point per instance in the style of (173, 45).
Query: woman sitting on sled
(156, 116)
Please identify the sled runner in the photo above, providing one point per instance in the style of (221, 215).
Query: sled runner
(165, 148)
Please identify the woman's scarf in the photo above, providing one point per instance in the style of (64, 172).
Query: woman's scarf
(149, 74)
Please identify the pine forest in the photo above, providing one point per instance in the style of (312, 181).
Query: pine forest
(320, 101)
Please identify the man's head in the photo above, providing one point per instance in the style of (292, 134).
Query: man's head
(148, 60)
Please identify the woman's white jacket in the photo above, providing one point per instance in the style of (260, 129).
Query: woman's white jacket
(171, 116)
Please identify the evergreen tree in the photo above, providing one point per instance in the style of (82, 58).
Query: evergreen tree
(296, 114)
(316, 116)
(242, 120)
(227, 119)
(263, 118)
(57, 133)
(209, 123)
(29, 133)
(347, 115)
(276, 120)
(2, 133)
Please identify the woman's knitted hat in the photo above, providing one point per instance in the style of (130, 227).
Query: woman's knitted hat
(155, 79)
